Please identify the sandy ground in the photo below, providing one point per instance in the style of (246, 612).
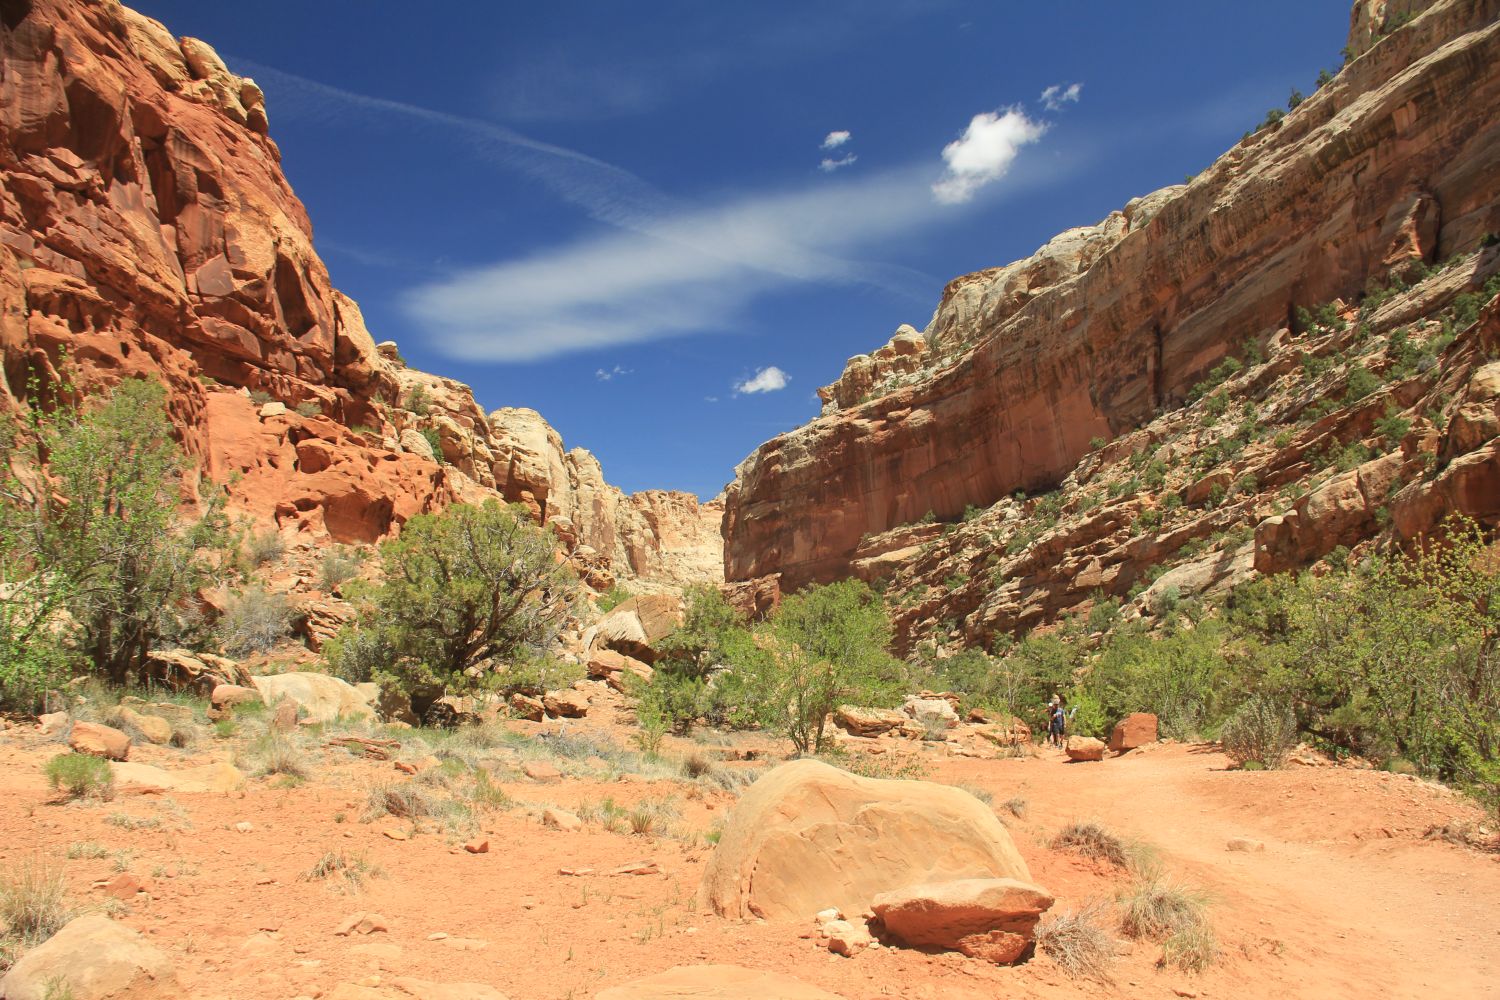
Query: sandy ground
(1347, 900)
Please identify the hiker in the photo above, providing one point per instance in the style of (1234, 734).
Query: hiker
(1056, 721)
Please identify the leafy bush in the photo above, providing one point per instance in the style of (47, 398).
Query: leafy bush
(1263, 730)
(309, 408)
(254, 621)
(434, 441)
(825, 646)
(81, 775)
(462, 589)
(99, 558)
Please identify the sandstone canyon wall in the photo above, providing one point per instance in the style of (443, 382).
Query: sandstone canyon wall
(147, 230)
(1024, 368)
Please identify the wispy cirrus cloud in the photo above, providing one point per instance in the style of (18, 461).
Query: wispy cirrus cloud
(665, 269)
(829, 165)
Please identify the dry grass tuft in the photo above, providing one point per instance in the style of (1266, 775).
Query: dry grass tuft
(352, 870)
(402, 799)
(1093, 841)
(1079, 943)
(1177, 917)
(33, 906)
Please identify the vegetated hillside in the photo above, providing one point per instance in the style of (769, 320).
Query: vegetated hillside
(147, 230)
(1292, 353)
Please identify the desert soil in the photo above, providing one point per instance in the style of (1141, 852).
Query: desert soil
(1348, 899)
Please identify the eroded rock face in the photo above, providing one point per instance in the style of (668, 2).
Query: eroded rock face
(147, 229)
(1396, 161)
(807, 837)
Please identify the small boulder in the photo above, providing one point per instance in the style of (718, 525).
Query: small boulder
(540, 770)
(284, 719)
(181, 670)
(51, 723)
(930, 713)
(101, 741)
(152, 728)
(846, 937)
(561, 819)
(1135, 730)
(992, 918)
(233, 694)
(1085, 748)
(566, 704)
(93, 958)
(866, 721)
(361, 923)
(527, 707)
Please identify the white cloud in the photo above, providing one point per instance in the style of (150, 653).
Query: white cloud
(984, 153)
(764, 380)
(829, 165)
(605, 374)
(1055, 96)
(833, 140)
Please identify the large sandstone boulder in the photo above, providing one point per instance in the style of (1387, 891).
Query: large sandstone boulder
(807, 837)
(1135, 730)
(715, 982)
(100, 741)
(322, 698)
(991, 918)
(93, 958)
(637, 625)
(152, 728)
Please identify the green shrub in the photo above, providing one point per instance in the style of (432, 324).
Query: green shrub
(434, 441)
(1392, 427)
(470, 586)
(309, 408)
(81, 775)
(101, 561)
(825, 646)
(1263, 730)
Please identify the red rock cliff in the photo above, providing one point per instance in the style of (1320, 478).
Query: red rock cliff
(1397, 160)
(146, 229)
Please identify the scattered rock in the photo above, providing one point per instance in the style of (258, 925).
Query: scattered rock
(93, 958)
(561, 819)
(181, 670)
(807, 836)
(233, 694)
(990, 918)
(284, 719)
(478, 847)
(362, 922)
(716, 982)
(52, 723)
(123, 887)
(846, 938)
(396, 833)
(244, 826)
(1245, 844)
(1085, 748)
(540, 770)
(1135, 730)
(569, 704)
(646, 867)
(101, 741)
(152, 728)
(866, 721)
(527, 707)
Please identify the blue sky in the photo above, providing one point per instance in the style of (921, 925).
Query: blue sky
(618, 213)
